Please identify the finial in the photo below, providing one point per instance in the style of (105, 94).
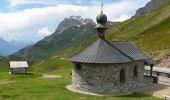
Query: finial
(102, 8)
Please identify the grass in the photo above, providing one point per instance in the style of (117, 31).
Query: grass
(51, 64)
(34, 87)
(150, 32)
(3, 66)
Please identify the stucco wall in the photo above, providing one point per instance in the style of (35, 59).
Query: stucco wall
(105, 78)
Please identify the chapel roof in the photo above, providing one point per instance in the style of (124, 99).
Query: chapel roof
(100, 51)
(105, 52)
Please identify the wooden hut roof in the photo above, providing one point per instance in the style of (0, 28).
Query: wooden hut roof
(18, 64)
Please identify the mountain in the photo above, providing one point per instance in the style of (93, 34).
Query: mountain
(150, 32)
(70, 32)
(74, 21)
(150, 6)
(7, 48)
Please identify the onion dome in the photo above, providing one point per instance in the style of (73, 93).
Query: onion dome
(101, 18)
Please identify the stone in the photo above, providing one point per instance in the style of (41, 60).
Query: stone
(104, 79)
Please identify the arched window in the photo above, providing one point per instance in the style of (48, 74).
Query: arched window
(122, 75)
(135, 71)
(77, 66)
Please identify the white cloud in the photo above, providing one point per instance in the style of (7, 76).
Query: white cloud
(13, 38)
(14, 3)
(44, 31)
(25, 23)
(122, 18)
(13, 21)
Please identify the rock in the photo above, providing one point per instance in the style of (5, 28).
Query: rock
(150, 6)
(74, 21)
(165, 62)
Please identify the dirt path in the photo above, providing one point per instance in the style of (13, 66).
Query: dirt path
(5, 81)
(157, 90)
(47, 76)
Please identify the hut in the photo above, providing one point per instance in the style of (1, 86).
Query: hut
(18, 67)
(109, 68)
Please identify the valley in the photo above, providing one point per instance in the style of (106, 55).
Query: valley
(50, 71)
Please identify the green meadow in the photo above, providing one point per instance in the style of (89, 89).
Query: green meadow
(34, 86)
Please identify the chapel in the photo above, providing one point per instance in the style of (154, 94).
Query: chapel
(109, 68)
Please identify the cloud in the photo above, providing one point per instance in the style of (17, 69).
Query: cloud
(25, 23)
(78, 1)
(13, 38)
(44, 31)
(14, 3)
(122, 18)
(13, 21)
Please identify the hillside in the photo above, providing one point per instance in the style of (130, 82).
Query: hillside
(150, 32)
(149, 7)
(70, 32)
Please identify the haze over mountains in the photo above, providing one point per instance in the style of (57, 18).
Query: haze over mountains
(7, 48)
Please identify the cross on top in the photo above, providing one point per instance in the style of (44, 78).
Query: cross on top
(102, 8)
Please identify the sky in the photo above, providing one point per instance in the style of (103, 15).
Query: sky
(32, 20)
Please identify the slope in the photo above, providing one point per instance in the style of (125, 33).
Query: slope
(150, 32)
(57, 42)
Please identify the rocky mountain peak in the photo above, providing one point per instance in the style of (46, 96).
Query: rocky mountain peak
(150, 6)
(74, 21)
